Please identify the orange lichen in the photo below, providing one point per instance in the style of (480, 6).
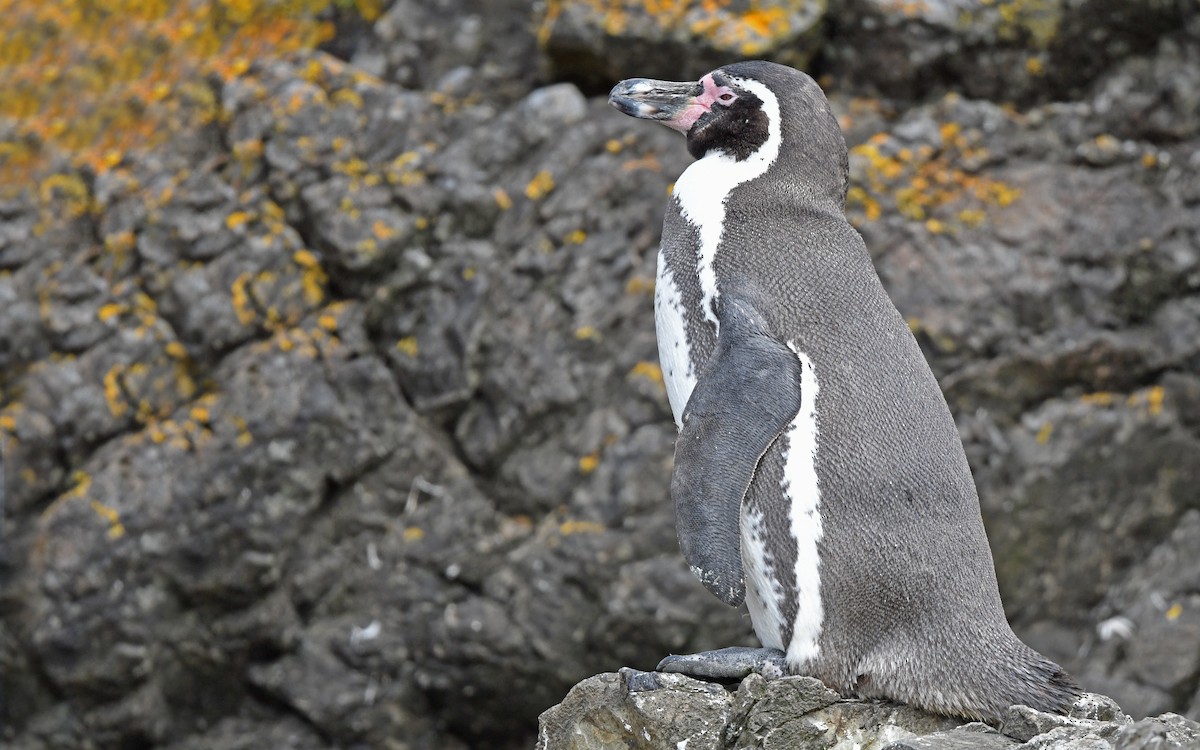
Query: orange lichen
(96, 81)
(589, 463)
(540, 186)
(408, 346)
(502, 199)
(939, 186)
(649, 371)
(567, 528)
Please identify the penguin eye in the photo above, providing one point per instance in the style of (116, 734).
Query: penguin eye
(726, 98)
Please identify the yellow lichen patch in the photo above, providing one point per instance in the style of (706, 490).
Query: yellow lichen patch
(938, 186)
(1099, 398)
(382, 230)
(540, 186)
(116, 529)
(109, 311)
(241, 300)
(648, 162)
(176, 350)
(82, 485)
(1174, 612)
(305, 258)
(586, 333)
(502, 199)
(413, 534)
(114, 395)
(589, 463)
(244, 436)
(348, 97)
(69, 189)
(354, 167)
(647, 370)
(469, 273)
(567, 528)
(1043, 434)
(8, 423)
(408, 346)
(613, 146)
(639, 285)
(971, 217)
(313, 282)
(200, 414)
(1154, 399)
(328, 321)
(577, 237)
(1149, 160)
(1035, 67)
(119, 242)
(238, 219)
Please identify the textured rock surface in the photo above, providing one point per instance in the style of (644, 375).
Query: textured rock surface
(595, 41)
(636, 710)
(338, 422)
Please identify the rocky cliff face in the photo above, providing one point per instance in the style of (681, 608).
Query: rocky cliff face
(336, 421)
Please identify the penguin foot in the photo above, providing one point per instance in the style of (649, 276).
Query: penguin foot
(733, 663)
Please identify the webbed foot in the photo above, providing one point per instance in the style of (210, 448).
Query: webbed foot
(733, 663)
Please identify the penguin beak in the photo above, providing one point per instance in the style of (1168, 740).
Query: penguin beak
(675, 105)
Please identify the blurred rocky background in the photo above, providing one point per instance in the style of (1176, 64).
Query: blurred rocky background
(329, 401)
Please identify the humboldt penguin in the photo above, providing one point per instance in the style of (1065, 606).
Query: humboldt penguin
(818, 476)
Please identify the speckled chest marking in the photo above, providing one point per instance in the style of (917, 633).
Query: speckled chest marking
(704, 187)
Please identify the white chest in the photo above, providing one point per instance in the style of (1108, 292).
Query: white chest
(674, 350)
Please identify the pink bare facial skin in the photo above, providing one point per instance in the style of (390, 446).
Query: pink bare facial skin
(701, 104)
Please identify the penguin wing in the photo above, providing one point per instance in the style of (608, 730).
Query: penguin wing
(745, 395)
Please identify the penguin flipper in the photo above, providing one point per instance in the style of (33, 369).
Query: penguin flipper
(745, 396)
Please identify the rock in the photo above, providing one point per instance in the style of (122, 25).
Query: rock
(1024, 724)
(965, 737)
(1004, 51)
(1148, 627)
(610, 711)
(654, 710)
(1166, 731)
(598, 44)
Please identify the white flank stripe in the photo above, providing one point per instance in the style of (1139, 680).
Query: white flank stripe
(705, 185)
(674, 353)
(763, 590)
(804, 494)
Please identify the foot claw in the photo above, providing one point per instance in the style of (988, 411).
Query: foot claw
(637, 681)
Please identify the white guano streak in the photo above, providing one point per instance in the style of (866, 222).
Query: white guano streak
(674, 352)
(704, 187)
(803, 492)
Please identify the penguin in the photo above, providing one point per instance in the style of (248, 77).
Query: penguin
(819, 476)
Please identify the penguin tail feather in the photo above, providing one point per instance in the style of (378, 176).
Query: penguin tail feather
(1050, 687)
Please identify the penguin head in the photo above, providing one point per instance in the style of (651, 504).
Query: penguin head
(744, 110)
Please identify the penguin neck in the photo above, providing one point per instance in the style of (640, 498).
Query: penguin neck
(703, 190)
(813, 166)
